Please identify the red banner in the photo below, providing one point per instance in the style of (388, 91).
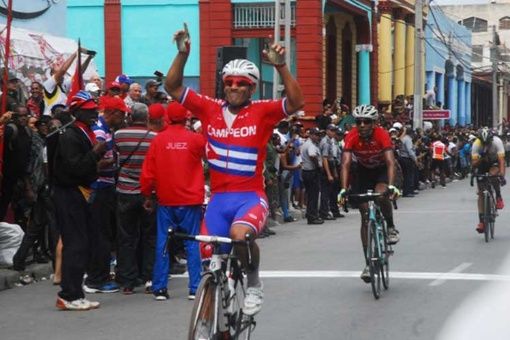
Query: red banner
(436, 114)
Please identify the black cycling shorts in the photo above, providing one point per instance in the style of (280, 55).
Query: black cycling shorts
(366, 179)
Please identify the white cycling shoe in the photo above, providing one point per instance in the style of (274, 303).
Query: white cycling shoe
(253, 300)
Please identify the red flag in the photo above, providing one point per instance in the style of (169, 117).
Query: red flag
(77, 80)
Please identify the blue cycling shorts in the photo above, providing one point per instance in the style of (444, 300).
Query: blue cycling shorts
(226, 208)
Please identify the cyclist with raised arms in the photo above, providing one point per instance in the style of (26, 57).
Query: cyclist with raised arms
(488, 156)
(372, 147)
(237, 130)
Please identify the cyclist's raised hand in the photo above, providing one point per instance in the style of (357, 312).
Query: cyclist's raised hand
(394, 192)
(182, 39)
(275, 54)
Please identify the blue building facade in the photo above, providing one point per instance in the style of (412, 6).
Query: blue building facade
(147, 27)
(448, 65)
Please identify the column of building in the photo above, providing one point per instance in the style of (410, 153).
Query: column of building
(467, 90)
(385, 50)
(363, 73)
(399, 54)
(461, 107)
(409, 74)
(452, 95)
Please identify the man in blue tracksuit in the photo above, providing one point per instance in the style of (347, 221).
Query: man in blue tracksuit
(173, 167)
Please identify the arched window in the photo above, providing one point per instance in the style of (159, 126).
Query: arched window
(504, 23)
(475, 24)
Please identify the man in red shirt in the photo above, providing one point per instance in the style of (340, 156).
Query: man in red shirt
(373, 149)
(237, 131)
(173, 168)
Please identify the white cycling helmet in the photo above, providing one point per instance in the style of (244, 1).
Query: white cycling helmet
(485, 135)
(241, 68)
(365, 111)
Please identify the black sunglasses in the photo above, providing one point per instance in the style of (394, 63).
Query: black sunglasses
(365, 121)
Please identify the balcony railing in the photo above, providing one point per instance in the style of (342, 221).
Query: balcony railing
(259, 15)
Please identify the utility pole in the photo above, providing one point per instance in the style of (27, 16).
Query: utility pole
(281, 7)
(494, 57)
(418, 67)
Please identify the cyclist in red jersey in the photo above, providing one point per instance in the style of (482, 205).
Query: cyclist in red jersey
(237, 131)
(372, 147)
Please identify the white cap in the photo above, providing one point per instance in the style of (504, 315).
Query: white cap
(471, 137)
(91, 87)
(398, 126)
(197, 125)
(393, 130)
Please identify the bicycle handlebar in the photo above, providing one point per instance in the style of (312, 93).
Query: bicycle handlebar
(481, 176)
(208, 238)
(370, 195)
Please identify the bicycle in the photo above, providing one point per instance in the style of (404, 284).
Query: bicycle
(378, 249)
(488, 203)
(217, 312)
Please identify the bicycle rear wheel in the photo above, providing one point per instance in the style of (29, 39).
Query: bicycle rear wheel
(373, 260)
(385, 266)
(486, 215)
(204, 314)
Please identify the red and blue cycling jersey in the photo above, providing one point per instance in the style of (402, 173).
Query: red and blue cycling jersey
(369, 153)
(235, 154)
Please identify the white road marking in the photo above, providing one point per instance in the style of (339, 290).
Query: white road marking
(393, 275)
(459, 269)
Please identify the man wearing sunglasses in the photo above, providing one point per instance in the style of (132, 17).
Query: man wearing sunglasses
(237, 131)
(372, 147)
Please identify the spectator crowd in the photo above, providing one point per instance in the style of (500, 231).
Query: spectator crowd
(51, 154)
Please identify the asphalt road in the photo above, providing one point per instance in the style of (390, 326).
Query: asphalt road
(312, 285)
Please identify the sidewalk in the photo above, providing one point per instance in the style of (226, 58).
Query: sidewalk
(11, 278)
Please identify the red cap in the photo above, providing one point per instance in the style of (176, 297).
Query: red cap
(156, 111)
(113, 84)
(113, 103)
(175, 112)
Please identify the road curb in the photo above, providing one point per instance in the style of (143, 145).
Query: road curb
(10, 278)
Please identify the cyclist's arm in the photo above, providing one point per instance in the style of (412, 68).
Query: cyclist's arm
(500, 149)
(175, 75)
(389, 158)
(294, 95)
(475, 154)
(502, 166)
(346, 166)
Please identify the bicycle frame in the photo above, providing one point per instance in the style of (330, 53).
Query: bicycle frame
(378, 249)
(488, 193)
(226, 274)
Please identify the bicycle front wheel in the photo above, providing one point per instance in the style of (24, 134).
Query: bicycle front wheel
(486, 215)
(243, 323)
(374, 260)
(493, 217)
(204, 315)
(385, 266)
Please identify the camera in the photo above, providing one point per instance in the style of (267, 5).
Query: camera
(159, 76)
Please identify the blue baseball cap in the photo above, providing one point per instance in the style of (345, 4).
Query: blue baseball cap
(123, 79)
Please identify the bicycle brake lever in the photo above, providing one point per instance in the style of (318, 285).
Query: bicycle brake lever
(248, 237)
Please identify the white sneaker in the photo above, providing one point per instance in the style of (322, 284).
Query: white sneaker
(92, 304)
(253, 300)
(75, 305)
